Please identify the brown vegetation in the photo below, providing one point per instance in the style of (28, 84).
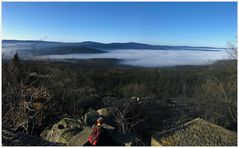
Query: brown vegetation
(37, 94)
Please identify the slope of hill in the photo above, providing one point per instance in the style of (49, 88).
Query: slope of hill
(97, 45)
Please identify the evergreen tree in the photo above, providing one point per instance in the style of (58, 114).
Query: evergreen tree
(15, 68)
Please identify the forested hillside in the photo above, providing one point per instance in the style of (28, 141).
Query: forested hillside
(38, 94)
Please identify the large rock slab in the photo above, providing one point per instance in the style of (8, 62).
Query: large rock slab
(63, 126)
(197, 132)
(106, 112)
(81, 138)
(67, 135)
(90, 118)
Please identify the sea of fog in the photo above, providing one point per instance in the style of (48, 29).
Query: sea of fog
(150, 58)
(134, 57)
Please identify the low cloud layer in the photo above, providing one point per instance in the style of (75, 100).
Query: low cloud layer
(151, 58)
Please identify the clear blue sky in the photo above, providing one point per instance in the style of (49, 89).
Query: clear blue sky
(165, 23)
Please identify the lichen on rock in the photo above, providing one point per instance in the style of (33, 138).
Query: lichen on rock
(197, 132)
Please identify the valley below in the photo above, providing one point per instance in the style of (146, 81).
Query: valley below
(131, 54)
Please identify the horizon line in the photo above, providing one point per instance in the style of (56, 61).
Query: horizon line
(113, 43)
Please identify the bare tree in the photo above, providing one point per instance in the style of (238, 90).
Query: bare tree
(20, 108)
(126, 117)
(232, 49)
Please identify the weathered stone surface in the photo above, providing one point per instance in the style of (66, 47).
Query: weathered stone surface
(90, 118)
(105, 111)
(73, 132)
(81, 138)
(197, 132)
(67, 135)
(10, 138)
(64, 125)
(68, 123)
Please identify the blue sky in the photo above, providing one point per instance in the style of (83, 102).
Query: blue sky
(162, 23)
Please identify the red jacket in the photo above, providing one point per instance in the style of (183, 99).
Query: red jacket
(95, 135)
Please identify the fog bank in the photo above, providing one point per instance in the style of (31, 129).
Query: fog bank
(150, 58)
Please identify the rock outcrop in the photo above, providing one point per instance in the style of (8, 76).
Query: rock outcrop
(62, 131)
(197, 132)
(106, 112)
(90, 118)
(76, 132)
(80, 138)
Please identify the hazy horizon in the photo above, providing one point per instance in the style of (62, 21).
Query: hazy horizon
(133, 57)
(107, 42)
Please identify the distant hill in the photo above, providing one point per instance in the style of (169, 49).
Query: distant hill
(110, 46)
